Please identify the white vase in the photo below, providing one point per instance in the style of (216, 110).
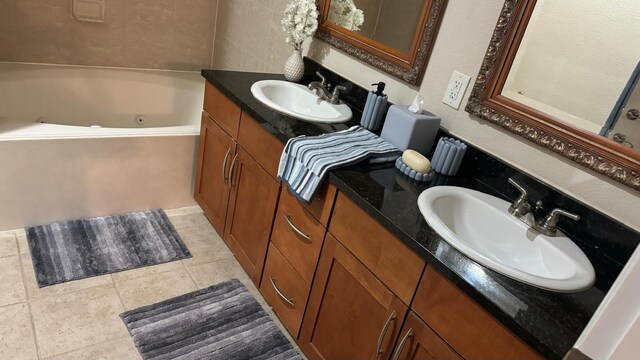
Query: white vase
(294, 67)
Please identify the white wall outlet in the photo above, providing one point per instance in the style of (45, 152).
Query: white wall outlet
(456, 89)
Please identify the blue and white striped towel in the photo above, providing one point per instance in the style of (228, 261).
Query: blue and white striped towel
(306, 160)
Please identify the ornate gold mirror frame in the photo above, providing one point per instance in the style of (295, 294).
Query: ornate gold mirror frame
(585, 148)
(408, 67)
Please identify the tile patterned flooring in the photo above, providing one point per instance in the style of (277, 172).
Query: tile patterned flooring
(80, 319)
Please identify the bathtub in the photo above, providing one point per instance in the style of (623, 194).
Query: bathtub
(88, 141)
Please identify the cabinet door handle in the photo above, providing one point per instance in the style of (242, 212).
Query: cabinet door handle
(295, 229)
(224, 167)
(383, 332)
(406, 337)
(233, 164)
(280, 294)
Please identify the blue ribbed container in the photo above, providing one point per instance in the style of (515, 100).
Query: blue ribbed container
(448, 156)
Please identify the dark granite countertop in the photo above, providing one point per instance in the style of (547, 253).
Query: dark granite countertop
(549, 322)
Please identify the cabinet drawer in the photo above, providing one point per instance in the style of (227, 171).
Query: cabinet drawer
(260, 144)
(467, 327)
(297, 235)
(285, 290)
(222, 110)
(322, 204)
(388, 258)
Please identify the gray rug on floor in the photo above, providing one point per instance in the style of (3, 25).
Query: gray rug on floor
(77, 249)
(223, 321)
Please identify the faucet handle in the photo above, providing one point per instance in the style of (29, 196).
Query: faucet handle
(524, 194)
(551, 221)
(323, 80)
(335, 95)
(520, 206)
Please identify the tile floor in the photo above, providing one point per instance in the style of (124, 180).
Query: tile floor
(80, 319)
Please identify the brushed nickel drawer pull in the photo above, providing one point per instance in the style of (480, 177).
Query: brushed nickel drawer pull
(224, 167)
(406, 337)
(233, 164)
(282, 296)
(383, 333)
(295, 229)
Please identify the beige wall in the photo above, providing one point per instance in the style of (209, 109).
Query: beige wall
(158, 34)
(466, 29)
(249, 36)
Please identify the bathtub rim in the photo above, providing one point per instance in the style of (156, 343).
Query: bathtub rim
(48, 131)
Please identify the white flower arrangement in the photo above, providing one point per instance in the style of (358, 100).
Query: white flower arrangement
(345, 13)
(300, 21)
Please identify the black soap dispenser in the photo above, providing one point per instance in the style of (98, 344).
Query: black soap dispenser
(374, 108)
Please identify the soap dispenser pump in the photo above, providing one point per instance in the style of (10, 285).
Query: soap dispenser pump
(374, 108)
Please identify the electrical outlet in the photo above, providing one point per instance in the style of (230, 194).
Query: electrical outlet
(456, 89)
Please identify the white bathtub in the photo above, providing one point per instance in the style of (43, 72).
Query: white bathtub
(71, 145)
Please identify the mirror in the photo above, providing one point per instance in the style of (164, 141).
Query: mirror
(562, 74)
(394, 36)
(623, 124)
(386, 22)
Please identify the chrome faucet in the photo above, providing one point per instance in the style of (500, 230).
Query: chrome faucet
(521, 210)
(322, 90)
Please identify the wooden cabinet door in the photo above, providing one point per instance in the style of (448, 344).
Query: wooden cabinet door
(464, 324)
(418, 342)
(214, 157)
(252, 205)
(350, 314)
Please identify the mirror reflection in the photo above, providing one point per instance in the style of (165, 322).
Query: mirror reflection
(575, 60)
(623, 125)
(392, 23)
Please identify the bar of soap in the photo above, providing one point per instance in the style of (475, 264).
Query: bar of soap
(416, 161)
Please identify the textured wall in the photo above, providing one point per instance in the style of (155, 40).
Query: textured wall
(249, 36)
(158, 34)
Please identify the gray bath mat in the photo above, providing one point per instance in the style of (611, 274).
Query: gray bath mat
(223, 321)
(77, 249)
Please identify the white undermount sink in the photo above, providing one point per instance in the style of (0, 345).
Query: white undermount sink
(297, 101)
(479, 226)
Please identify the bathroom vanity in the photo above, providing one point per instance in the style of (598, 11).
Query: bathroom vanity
(358, 273)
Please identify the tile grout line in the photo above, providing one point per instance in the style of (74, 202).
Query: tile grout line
(115, 286)
(26, 294)
(189, 274)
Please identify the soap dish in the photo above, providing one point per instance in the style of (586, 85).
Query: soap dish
(415, 175)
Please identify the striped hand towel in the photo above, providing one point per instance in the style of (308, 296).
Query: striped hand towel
(306, 160)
